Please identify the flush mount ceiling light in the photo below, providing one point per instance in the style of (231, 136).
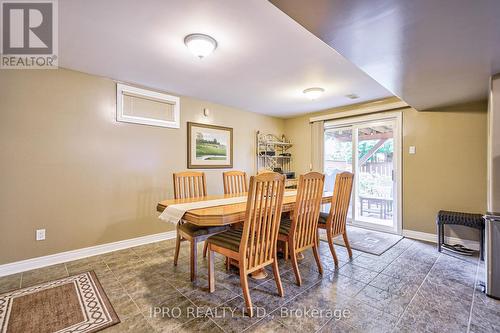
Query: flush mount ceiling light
(200, 45)
(313, 93)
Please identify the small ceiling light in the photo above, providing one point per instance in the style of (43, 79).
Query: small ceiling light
(313, 93)
(200, 45)
(352, 96)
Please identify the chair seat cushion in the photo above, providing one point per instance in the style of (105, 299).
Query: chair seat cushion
(285, 226)
(195, 231)
(322, 218)
(229, 239)
(286, 223)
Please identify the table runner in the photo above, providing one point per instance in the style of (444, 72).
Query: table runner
(174, 213)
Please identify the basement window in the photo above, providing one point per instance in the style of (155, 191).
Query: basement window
(146, 107)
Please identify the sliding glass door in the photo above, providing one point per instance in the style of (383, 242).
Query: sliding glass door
(369, 147)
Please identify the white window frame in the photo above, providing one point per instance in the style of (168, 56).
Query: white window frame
(397, 116)
(122, 89)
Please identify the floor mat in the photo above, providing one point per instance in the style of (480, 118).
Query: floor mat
(365, 240)
(73, 304)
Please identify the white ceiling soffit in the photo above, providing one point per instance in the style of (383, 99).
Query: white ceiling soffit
(263, 62)
(430, 53)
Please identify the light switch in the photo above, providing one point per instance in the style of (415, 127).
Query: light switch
(412, 150)
(40, 234)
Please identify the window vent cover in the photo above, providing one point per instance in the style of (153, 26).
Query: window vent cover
(147, 107)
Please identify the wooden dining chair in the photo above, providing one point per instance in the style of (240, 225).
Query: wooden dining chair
(234, 182)
(191, 184)
(254, 245)
(301, 231)
(334, 222)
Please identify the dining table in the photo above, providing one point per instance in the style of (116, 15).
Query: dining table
(227, 213)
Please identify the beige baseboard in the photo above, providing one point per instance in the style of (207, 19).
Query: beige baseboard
(53, 259)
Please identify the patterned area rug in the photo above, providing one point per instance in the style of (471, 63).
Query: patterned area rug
(76, 304)
(365, 240)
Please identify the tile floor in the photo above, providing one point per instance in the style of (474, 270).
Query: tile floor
(410, 288)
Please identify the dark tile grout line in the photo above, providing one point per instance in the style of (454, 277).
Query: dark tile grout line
(288, 301)
(180, 292)
(473, 295)
(261, 319)
(284, 304)
(317, 282)
(102, 261)
(184, 295)
(121, 285)
(415, 295)
(353, 262)
(329, 321)
(209, 318)
(189, 299)
(291, 299)
(332, 273)
(148, 319)
(368, 284)
(238, 295)
(378, 273)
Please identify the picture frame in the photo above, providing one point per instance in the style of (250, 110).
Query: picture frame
(209, 146)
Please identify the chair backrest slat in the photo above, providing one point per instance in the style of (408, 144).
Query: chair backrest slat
(234, 182)
(262, 219)
(189, 184)
(306, 211)
(340, 203)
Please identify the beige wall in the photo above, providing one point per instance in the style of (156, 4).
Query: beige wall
(448, 171)
(67, 165)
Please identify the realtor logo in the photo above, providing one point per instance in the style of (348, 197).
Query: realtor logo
(29, 34)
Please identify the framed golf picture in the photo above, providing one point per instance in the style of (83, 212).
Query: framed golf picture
(209, 146)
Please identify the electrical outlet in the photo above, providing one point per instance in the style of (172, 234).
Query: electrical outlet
(412, 150)
(40, 234)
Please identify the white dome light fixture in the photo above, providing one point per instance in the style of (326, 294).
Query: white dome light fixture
(313, 93)
(200, 45)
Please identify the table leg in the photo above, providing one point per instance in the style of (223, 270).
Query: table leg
(281, 249)
(257, 275)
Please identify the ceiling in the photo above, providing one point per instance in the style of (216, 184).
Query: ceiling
(263, 62)
(430, 53)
